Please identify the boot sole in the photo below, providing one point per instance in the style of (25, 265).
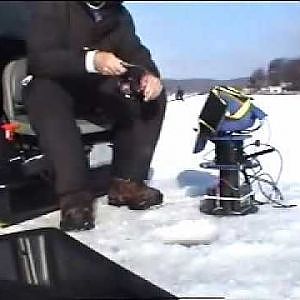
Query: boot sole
(133, 207)
(72, 226)
(144, 206)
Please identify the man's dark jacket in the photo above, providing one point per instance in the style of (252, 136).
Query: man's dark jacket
(61, 30)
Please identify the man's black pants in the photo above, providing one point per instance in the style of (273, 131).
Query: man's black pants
(53, 106)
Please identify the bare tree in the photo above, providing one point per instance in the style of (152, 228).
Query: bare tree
(291, 73)
(258, 79)
(276, 71)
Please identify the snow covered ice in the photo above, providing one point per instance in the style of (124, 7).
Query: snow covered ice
(248, 257)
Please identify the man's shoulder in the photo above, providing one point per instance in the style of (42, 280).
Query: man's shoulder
(125, 15)
(50, 5)
(55, 9)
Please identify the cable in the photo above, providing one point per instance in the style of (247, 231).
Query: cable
(258, 174)
(276, 196)
(272, 183)
(258, 144)
(281, 161)
(276, 190)
(257, 177)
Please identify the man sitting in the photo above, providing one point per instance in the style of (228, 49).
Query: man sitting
(77, 51)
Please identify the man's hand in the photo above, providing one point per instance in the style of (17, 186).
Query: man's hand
(106, 63)
(151, 87)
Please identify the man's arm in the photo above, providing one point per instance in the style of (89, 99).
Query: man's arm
(47, 44)
(130, 48)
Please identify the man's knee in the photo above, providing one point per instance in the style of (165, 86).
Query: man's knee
(42, 85)
(155, 109)
(44, 94)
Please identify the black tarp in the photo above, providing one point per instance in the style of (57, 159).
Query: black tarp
(49, 264)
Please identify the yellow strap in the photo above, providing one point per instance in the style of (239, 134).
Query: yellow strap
(3, 224)
(234, 92)
(217, 93)
(207, 125)
(241, 112)
(243, 99)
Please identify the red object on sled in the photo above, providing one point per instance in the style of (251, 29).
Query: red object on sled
(10, 129)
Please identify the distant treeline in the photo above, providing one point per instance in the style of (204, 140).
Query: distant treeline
(202, 86)
(280, 71)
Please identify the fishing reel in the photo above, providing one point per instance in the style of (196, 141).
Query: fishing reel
(129, 83)
(130, 89)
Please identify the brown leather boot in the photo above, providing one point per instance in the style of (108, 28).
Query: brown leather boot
(135, 195)
(77, 211)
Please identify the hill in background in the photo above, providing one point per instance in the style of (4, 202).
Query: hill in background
(202, 86)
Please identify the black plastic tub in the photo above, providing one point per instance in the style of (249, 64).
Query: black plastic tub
(49, 264)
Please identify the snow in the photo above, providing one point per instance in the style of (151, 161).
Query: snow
(188, 232)
(247, 257)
